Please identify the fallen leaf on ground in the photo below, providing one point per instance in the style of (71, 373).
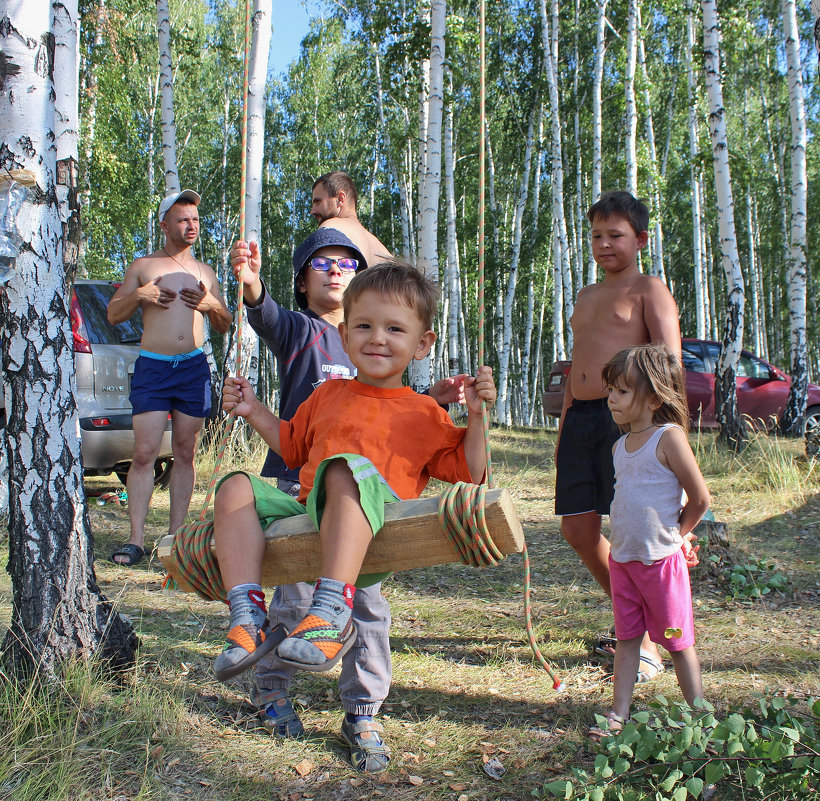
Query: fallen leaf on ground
(415, 780)
(304, 767)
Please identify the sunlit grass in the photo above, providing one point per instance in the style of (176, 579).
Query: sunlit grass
(466, 687)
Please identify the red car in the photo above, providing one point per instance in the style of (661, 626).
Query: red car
(762, 388)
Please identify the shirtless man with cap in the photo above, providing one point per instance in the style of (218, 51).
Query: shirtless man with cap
(171, 374)
(334, 206)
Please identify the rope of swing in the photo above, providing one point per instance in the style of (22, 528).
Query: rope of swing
(461, 508)
(481, 535)
(191, 549)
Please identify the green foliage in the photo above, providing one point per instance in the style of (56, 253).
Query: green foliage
(324, 115)
(754, 580)
(671, 753)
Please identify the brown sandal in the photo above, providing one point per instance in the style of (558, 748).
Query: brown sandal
(614, 723)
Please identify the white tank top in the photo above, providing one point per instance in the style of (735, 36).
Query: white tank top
(645, 512)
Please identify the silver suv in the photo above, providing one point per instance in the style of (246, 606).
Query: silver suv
(104, 357)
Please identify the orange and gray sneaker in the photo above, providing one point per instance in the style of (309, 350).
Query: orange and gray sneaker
(246, 645)
(317, 645)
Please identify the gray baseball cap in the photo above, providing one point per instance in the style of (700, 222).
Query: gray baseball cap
(169, 200)
(321, 238)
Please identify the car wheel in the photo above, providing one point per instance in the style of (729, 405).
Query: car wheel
(162, 472)
(811, 431)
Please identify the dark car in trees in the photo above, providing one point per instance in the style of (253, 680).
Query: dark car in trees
(762, 388)
(104, 357)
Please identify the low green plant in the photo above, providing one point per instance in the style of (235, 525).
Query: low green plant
(672, 752)
(754, 580)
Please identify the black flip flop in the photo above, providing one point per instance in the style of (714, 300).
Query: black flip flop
(604, 646)
(132, 552)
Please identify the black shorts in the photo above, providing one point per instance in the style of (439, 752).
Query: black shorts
(584, 473)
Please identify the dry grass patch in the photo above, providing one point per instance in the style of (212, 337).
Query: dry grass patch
(467, 694)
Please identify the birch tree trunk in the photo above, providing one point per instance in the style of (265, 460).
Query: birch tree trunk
(751, 272)
(257, 76)
(153, 86)
(65, 27)
(732, 427)
(58, 611)
(657, 170)
(101, 15)
(455, 365)
(529, 384)
(503, 400)
(549, 39)
(578, 238)
(629, 95)
(794, 414)
(255, 157)
(169, 128)
(597, 80)
(695, 179)
(427, 259)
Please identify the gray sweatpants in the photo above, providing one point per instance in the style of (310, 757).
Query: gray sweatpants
(367, 668)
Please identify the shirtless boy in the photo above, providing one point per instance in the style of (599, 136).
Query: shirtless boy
(334, 206)
(171, 374)
(626, 308)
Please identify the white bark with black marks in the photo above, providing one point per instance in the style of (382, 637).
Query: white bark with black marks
(455, 355)
(430, 186)
(563, 270)
(166, 87)
(692, 95)
(631, 133)
(58, 612)
(732, 427)
(795, 411)
(503, 407)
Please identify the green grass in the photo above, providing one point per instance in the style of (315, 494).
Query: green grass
(466, 687)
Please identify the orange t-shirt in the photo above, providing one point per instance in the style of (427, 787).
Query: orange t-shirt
(407, 436)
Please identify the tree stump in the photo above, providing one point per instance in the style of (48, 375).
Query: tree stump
(714, 537)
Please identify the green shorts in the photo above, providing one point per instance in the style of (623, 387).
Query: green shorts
(374, 492)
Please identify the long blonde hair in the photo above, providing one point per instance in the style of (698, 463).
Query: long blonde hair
(652, 370)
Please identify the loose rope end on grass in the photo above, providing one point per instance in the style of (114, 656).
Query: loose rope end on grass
(461, 515)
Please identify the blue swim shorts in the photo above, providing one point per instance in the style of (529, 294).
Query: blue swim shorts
(164, 383)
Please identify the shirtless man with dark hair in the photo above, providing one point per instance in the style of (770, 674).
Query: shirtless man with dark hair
(171, 374)
(334, 206)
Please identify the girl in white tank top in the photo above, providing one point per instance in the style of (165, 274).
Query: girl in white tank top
(660, 496)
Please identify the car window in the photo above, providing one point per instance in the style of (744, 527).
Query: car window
(93, 300)
(753, 368)
(714, 352)
(692, 358)
(748, 366)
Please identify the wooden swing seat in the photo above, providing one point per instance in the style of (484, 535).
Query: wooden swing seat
(412, 537)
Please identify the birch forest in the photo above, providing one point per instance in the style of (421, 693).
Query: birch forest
(707, 110)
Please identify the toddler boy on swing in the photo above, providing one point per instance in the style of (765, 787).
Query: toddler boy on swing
(361, 443)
